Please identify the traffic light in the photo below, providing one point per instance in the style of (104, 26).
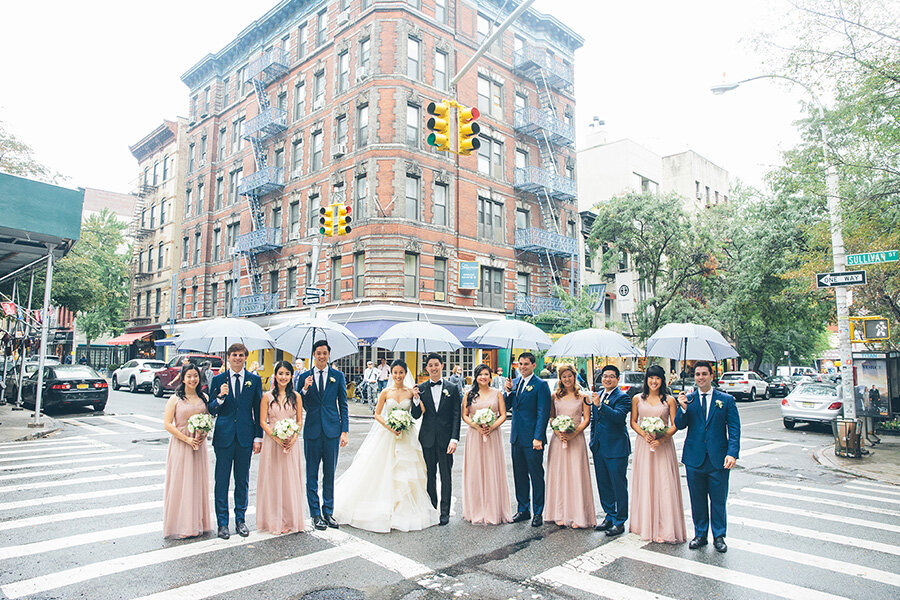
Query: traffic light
(468, 130)
(343, 220)
(326, 220)
(439, 125)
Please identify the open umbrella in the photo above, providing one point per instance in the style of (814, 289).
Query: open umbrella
(511, 333)
(215, 335)
(297, 337)
(593, 342)
(689, 341)
(417, 336)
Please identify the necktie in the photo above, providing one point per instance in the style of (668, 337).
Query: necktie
(703, 404)
(237, 385)
(521, 385)
(604, 397)
(321, 381)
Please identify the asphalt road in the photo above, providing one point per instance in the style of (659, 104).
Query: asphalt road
(80, 517)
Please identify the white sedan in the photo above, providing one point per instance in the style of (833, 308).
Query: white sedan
(136, 374)
(812, 403)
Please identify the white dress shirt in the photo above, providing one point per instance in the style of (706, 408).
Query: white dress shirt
(524, 383)
(324, 372)
(437, 391)
(237, 392)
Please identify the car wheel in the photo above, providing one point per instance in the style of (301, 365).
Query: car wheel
(157, 388)
(767, 395)
(132, 386)
(788, 424)
(115, 383)
(99, 407)
(752, 394)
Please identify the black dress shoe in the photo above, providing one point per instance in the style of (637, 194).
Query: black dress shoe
(223, 533)
(444, 520)
(521, 516)
(241, 529)
(319, 523)
(604, 525)
(329, 521)
(537, 521)
(615, 530)
(697, 542)
(719, 544)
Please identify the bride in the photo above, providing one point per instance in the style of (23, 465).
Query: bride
(384, 488)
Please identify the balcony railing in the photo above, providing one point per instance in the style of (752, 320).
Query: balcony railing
(267, 123)
(269, 67)
(535, 122)
(530, 61)
(535, 305)
(263, 181)
(536, 179)
(541, 240)
(261, 240)
(254, 304)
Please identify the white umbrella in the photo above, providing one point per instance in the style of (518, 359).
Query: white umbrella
(511, 333)
(593, 342)
(417, 336)
(297, 337)
(683, 341)
(216, 335)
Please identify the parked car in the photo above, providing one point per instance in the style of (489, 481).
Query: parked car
(744, 384)
(12, 373)
(779, 387)
(631, 382)
(812, 402)
(137, 374)
(66, 385)
(685, 385)
(165, 380)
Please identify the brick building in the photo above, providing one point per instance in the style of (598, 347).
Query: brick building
(322, 101)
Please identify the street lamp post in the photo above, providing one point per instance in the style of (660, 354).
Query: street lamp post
(837, 238)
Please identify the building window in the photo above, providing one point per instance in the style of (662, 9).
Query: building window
(440, 70)
(297, 158)
(411, 275)
(229, 296)
(299, 100)
(213, 299)
(191, 152)
(292, 286)
(185, 249)
(440, 279)
(412, 58)
(202, 150)
(343, 71)
(162, 211)
(158, 301)
(220, 152)
(197, 248)
(521, 158)
(490, 157)
(195, 304)
(140, 264)
(439, 204)
(237, 135)
(217, 243)
(225, 83)
(137, 305)
(159, 256)
(588, 258)
(155, 173)
(200, 198)
(485, 29)
(336, 278)
(150, 259)
(522, 284)
(440, 11)
(301, 41)
(360, 195)
(490, 219)
(188, 201)
(220, 193)
(231, 232)
(341, 129)
(365, 54)
(313, 211)
(523, 218)
(623, 261)
(322, 27)
(279, 158)
(241, 81)
(521, 101)
(412, 197)
(570, 171)
(273, 282)
(412, 125)
(490, 97)
(234, 184)
(359, 274)
(153, 217)
(147, 304)
(362, 126)
(318, 139)
(166, 161)
(319, 90)
(491, 292)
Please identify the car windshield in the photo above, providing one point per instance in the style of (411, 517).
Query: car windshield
(732, 376)
(154, 365)
(633, 378)
(75, 372)
(817, 390)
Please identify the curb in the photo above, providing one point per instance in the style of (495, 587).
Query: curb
(821, 457)
(38, 434)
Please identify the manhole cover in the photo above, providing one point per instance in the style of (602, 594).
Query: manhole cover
(334, 594)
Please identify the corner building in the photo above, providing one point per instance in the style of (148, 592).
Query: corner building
(323, 101)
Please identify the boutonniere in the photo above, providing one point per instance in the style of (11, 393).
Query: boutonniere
(331, 379)
(528, 388)
(718, 403)
(446, 393)
(247, 384)
(606, 400)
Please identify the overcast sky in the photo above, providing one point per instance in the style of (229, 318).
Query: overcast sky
(84, 80)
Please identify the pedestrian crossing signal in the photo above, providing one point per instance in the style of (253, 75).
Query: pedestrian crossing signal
(326, 220)
(439, 125)
(468, 130)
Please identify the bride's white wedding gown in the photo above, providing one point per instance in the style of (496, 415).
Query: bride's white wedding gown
(384, 488)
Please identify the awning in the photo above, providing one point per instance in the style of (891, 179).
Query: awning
(368, 331)
(127, 338)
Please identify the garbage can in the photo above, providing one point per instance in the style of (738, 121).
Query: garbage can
(846, 438)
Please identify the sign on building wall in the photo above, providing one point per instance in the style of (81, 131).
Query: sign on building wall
(625, 293)
(469, 275)
(598, 290)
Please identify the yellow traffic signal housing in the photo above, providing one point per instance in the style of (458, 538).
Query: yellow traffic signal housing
(326, 220)
(468, 130)
(343, 220)
(439, 125)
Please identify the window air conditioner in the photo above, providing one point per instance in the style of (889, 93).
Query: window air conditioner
(362, 73)
(339, 150)
(343, 18)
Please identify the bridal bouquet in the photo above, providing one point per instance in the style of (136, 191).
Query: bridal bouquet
(563, 423)
(199, 423)
(654, 426)
(399, 420)
(484, 416)
(285, 429)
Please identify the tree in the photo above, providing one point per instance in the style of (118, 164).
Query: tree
(16, 158)
(577, 313)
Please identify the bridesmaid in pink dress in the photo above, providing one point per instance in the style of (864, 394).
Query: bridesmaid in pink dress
(657, 512)
(485, 486)
(570, 497)
(186, 494)
(280, 489)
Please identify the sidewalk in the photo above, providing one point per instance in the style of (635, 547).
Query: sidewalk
(14, 425)
(359, 410)
(881, 464)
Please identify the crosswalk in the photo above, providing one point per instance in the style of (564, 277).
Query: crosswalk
(105, 425)
(81, 517)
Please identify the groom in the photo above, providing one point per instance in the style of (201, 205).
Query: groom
(711, 450)
(235, 396)
(324, 432)
(439, 433)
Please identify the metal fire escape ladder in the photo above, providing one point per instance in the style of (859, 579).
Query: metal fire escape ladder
(548, 214)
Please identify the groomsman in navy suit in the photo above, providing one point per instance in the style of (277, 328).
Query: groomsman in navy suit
(529, 397)
(711, 450)
(235, 395)
(324, 432)
(611, 447)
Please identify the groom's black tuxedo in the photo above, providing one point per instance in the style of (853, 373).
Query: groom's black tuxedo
(439, 426)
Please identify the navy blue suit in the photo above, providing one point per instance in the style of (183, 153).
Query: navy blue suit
(708, 442)
(530, 413)
(327, 417)
(237, 425)
(611, 447)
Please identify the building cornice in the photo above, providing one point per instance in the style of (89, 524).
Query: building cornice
(156, 140)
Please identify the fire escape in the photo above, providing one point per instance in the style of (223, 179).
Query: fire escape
(137, 231)
(549, 245)
(248, 296)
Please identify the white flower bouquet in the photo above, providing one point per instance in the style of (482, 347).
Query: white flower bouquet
(399, 420)
(654, 426)
(200, 423)
(285, 429)
(564, 424)
(484, 416)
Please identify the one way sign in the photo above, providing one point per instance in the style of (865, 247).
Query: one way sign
(825, 280)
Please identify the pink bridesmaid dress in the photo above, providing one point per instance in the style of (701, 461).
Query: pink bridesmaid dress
(186, 492)
(485, 487)
(280, 489)
(657, 512)
(570, 497)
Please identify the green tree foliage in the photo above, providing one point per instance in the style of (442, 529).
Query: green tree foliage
(577, 313)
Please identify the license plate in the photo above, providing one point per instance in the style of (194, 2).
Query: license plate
(730, 385)
(83, 386)
(808, 404)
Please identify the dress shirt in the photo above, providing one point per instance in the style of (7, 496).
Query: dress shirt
(709, 394)
(236, 392)
(324, 373)
(524, 383)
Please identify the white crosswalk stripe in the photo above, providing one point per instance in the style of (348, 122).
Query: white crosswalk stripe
(71, 461)
(79, 514)
(84, 452)
(87, 427)
(819, 490)
(127, 423)
(826, 501)
(96, 479)
(72, 470)
(790, 510)
(139, 489)
(76, 445)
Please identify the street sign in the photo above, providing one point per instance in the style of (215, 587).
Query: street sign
(825, 280)
(871, 258)
(310, 300)
(311, 291)
(869, 329)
